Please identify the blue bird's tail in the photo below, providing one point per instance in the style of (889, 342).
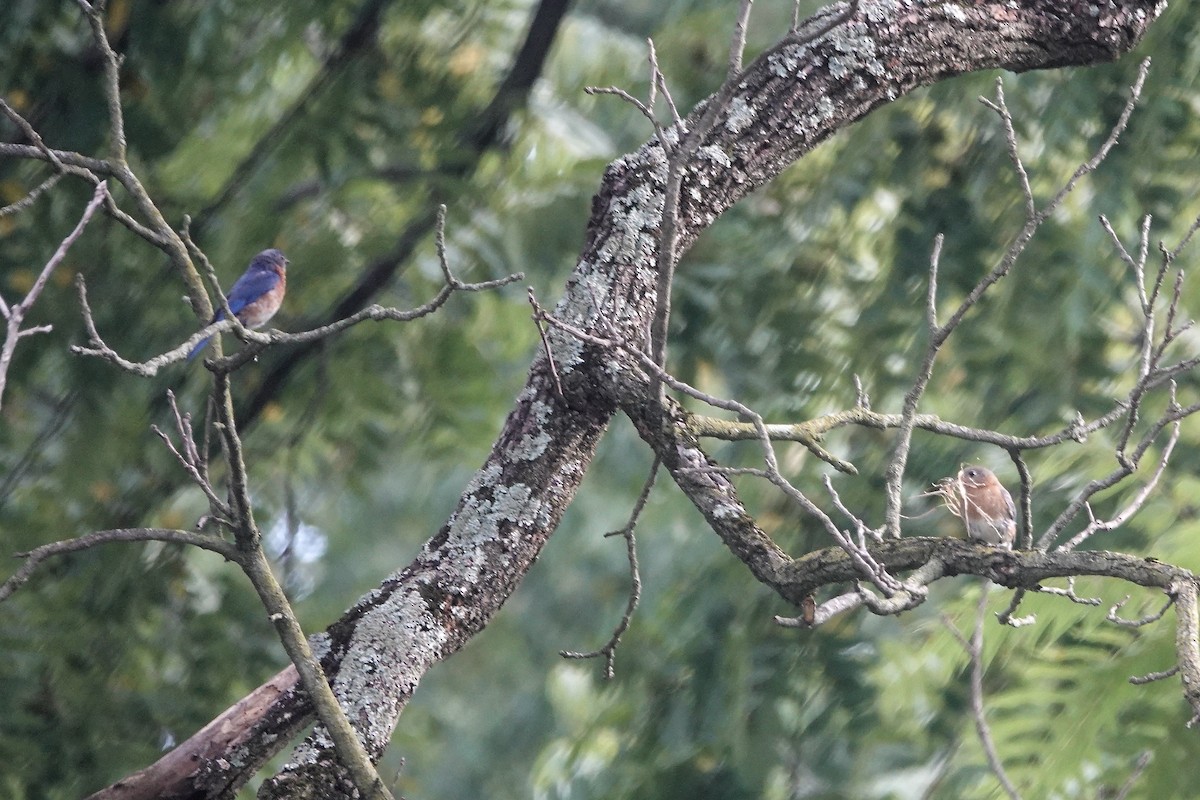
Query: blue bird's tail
(196, 350)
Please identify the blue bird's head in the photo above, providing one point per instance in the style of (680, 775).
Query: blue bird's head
(269, 260)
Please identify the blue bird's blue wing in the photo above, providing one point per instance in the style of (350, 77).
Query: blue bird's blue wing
(251, 286)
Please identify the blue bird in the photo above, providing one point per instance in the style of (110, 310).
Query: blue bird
(257, 295)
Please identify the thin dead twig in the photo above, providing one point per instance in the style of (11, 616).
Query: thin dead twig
(188, 455)
(15, 315)
(609, 649)
(39, 554)
(974, 650)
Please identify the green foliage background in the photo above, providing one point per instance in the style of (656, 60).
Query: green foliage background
(111, 655)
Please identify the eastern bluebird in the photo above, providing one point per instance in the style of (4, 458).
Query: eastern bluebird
(976, 496)
(257, 295)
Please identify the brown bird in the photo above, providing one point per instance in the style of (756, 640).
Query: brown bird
(976, 496)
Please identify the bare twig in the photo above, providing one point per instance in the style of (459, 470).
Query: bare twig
(112, 79)
(1152, 373)
(152, 227)
(737, 47)
(15, 315)
(1115, 618)
(1125, 467)
(894, 472)
(658, 83)
(731, 431)
(69, 162)
(628, 98)
(1034, 217)
(609, 649)
(34, 193)
(974, 648)
(32, 135)
(1006, 617)
(862, 416)
(1069, 593)
(258, 340)
(1151, 677)
(1138, 265)
(861, 529)
(1187, 237)
(1025, 500)
(647, 108)
(541, 329)
(1135, 504)
(40, 554)
(1138, 768)
(188, 455)
(861, 399)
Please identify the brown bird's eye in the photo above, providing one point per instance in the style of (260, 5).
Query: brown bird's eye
(972, 473)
